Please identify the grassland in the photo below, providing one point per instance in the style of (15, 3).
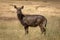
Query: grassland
(11, 29)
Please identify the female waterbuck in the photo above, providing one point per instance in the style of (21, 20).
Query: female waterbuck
(31, 20)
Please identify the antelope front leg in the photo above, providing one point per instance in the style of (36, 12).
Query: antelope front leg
(26, 29)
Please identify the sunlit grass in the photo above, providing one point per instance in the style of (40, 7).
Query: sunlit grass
(13, 30)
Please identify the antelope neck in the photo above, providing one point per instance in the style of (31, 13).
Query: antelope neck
(20, 15)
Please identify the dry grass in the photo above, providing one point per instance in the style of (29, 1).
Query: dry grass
(11, 29)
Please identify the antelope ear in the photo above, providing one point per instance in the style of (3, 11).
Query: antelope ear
(22, 7)
(15, 6)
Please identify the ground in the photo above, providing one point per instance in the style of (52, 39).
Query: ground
(11, 29)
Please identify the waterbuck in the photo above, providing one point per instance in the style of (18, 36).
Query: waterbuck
(31, 20)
